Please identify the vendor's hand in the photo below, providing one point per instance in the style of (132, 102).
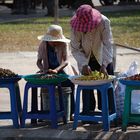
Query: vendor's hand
(86, 70)
(40, 71)
(51, 71)
(103, 70)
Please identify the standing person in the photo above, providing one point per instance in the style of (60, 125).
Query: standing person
(91, 45)
(53, 59)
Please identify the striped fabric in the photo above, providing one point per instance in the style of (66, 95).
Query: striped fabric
(85, 19)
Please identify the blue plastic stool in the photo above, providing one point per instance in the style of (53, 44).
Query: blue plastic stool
(15, 103)
(53, 115)
(105, 117)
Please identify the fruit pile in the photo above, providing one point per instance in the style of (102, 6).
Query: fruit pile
(95, 75)
(48, 76)
(6, 73)
(134, 77)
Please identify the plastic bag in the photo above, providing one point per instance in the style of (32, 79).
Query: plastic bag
(133, 69)
(120, 88)
(135, 102)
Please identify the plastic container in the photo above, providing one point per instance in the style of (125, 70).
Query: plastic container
(66, 99)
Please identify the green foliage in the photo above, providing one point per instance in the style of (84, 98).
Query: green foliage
(125, 27)
(22, 35)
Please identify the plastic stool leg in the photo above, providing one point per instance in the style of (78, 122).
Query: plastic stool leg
(61, 103)
(14, 109)
(77, 108)
(114, 103)
(34, 104)
(25, 102)
(19, 106)
(18, 101)
(105, 112)
(127, 103)
(114, 106)
(53, 106)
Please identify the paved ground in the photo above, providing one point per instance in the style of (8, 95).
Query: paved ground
(24, 63)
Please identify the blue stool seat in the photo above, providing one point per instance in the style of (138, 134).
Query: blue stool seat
(15, 103)
(52, 115)
(104, 117)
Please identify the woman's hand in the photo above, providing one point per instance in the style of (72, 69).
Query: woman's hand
(103, 70)
(40, 71)
(86, 70)
(51, 71)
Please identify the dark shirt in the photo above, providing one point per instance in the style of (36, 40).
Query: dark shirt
(52, 57)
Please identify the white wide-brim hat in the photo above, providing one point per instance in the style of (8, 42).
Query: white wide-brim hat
(54, 34)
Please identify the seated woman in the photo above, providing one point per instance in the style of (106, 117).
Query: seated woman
(53, 58)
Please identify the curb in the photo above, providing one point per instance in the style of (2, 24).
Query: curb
(43, 134)
(52, 134)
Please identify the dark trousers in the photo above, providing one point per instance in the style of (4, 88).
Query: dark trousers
(89, 102)
(69, 89)
(68, 83)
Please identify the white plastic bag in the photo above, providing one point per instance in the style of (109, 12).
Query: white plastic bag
(133, 69)
(135, 102)
(120, 88)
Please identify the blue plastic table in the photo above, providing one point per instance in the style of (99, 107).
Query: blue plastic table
(127, 115)
(15, 101)
(53, 115)
(105, 117)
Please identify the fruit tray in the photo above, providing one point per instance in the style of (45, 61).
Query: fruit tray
(10, 79)
(91, 82)
(46, 78)
(133, 80)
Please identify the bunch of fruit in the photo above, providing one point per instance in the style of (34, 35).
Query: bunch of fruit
(6, 73)
(95, 75)
(48, 76)
(134, 77)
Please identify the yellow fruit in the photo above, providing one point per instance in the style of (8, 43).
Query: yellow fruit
(95, 75)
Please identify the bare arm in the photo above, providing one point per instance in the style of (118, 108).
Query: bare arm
(64, 61)
(59, 68)
(40, 65)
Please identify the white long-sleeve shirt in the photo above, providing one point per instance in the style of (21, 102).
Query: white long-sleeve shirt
(97, 42)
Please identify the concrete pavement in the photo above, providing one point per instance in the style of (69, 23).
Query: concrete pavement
(24, 63)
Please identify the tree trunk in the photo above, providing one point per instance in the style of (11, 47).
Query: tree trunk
(20, 7)
(77, 3)
(16, 7)
(50, 7)
(56, 14)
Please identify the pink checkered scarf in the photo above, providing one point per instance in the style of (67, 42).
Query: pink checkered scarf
(85, 19)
